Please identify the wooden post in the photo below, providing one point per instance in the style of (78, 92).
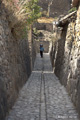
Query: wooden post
(50, 3)
(30, 43)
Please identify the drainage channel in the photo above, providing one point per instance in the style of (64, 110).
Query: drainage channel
(43, 105)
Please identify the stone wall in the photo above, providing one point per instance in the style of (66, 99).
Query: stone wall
(44, 26)
(66, 59)
(15, 64)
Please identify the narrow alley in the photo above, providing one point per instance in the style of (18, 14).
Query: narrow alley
(43, 97)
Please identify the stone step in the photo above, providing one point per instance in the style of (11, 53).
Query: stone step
(43, 97)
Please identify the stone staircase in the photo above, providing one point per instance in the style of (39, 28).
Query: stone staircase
(43, 97)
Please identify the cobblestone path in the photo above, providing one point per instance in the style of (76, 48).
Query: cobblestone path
(43, 97)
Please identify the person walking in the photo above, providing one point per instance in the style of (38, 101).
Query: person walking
(41, 50)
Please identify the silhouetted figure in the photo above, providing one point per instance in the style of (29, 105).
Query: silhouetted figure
(41, 50)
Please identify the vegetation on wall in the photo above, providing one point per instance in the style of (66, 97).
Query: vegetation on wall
(72, 9)
(33, 11)
(21, 14)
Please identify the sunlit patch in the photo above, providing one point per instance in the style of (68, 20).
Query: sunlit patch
(45, 20)
(42, 71)
(47, 71)
(36, 71)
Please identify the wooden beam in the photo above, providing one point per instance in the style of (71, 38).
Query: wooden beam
(66, 19)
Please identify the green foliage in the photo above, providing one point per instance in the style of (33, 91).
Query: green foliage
(21, 14)
(72, 9)
(55, 18)
(33, 11)
(24, 32)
